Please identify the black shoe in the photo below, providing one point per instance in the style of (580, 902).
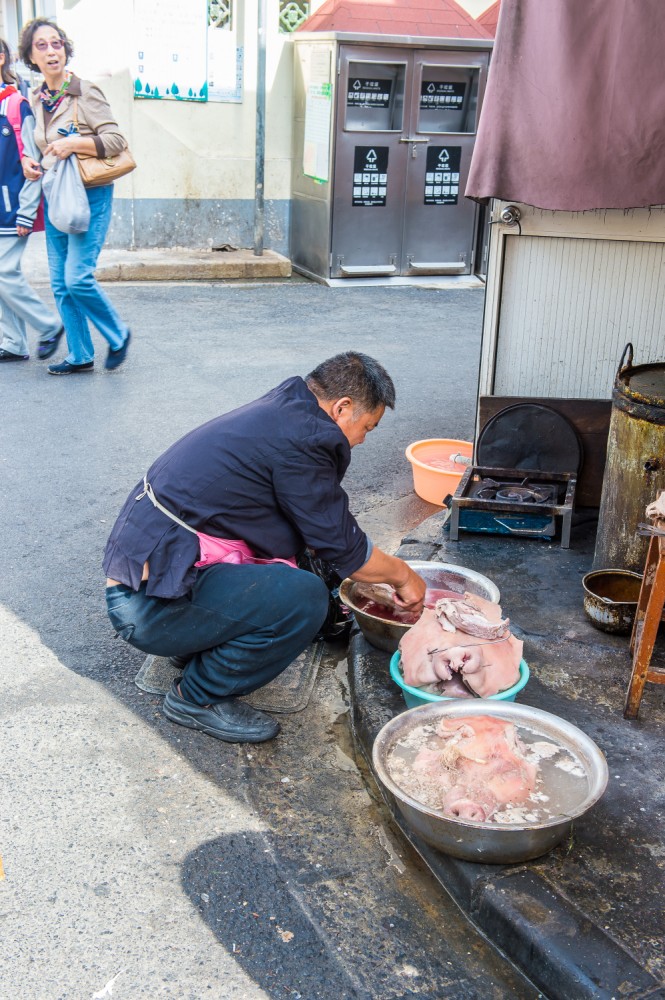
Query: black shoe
(116, 358)
(179, 662)
(64, 368)
(231, 720)
(8, 356)
(46, 348)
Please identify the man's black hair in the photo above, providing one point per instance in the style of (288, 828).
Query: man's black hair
(355, 375)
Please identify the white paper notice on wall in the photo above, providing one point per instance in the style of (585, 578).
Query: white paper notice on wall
(225, 65)
(170, 50)
(316, 151)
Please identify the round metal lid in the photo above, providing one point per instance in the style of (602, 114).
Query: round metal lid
(645, 382)
(529, 436)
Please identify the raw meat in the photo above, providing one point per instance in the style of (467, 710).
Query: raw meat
(486, 623)
(379, 600)
(480, 768)
(383, 597)
(468, 638)
(656, 510)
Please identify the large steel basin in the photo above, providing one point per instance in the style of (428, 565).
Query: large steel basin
(488, 842)
(443, 576)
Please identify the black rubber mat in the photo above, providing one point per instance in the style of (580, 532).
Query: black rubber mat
(290, 692)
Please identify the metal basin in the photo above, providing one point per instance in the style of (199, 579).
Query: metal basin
(386, 634)
(493, 843)
(610, 599)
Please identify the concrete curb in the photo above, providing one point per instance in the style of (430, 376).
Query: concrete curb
(172, 264)
(192, 265)
(561, 950)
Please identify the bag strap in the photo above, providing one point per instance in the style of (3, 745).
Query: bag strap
(14, 118)
(76, 114)
(150, 494)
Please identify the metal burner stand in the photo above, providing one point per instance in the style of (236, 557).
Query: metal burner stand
(461, 501)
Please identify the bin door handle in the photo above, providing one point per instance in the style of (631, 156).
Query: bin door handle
(368, 270)
(437, 267)
(404, 138)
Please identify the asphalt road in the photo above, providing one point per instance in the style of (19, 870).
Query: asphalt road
(143, 860)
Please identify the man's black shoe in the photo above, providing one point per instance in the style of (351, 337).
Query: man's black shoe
(179, 662)
(231, 720)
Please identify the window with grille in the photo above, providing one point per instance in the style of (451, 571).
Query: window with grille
(220, 14)
(292, 13)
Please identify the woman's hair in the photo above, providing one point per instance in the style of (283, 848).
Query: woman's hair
(355, 375)
(27, 35)
(8, 76)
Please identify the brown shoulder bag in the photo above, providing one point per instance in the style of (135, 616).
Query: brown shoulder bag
(96, 171)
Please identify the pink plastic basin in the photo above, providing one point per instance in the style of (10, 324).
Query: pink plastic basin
(434, 474)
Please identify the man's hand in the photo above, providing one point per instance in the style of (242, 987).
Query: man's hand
(382, 568)
(23, 231)
(411, 596)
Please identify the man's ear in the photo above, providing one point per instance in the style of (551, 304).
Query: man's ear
(341, 406)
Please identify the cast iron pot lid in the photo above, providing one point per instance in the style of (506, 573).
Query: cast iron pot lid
(529, 436)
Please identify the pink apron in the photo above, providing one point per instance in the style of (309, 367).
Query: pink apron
(214, 550)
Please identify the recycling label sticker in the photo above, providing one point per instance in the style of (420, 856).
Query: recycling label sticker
(370, 176)
(442, 175)
(364, 93)
(435, 94)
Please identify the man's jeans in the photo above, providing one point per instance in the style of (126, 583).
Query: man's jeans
(242, 625)
(72, 260)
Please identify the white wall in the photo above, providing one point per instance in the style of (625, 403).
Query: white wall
(566, 295)
(185, 149)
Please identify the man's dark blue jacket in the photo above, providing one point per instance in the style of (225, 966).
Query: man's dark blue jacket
(268, 473)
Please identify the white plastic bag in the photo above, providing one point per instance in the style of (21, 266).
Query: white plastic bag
(68, 206)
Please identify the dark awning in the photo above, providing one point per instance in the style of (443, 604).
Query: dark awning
(574, 114)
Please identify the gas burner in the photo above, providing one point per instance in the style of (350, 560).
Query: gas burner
(487, 489)
(513, 501)
(516, 492)
(522, 494)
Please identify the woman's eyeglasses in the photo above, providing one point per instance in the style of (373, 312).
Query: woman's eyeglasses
(56, 44)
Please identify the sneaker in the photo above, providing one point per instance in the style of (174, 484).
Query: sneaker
(8, 356)
(64, 368)
(115, 358)
(231, 720)
(46, 348)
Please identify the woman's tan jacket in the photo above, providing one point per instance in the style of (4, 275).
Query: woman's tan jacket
(95, 119)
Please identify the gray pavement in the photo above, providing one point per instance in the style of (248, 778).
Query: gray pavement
(143, 860)
(586, 920)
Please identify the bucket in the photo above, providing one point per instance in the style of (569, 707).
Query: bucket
(610, 599)
(635, 467)
(416, 696)
(434, 474)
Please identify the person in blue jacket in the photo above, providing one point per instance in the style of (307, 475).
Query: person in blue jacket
(19, 202)
(264, 479)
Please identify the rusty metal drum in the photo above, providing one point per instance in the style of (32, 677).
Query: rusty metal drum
(635, 467)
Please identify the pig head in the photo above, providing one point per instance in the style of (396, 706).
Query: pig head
(480, 768)
(437, 648)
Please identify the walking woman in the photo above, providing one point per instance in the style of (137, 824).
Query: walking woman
(62, 102)
(18, 209)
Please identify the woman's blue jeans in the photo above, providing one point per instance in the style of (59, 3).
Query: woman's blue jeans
(242, 625)
(72, 261)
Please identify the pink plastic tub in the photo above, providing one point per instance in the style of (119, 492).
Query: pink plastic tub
(435, 475)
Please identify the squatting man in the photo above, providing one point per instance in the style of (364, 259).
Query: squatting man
(201, 563)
